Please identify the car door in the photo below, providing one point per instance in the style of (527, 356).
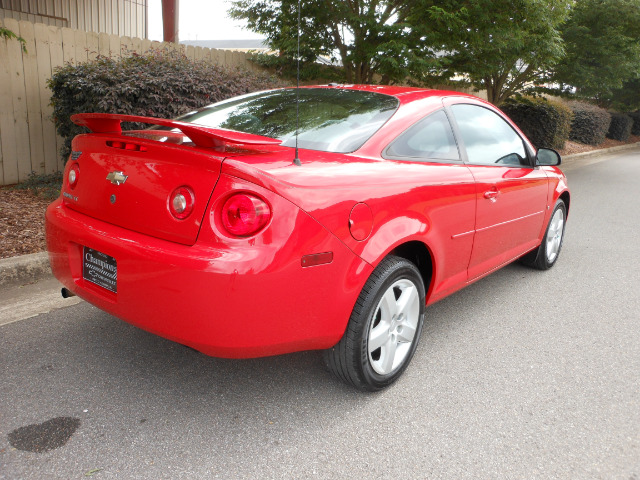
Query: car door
(511, 191)
(444, 194)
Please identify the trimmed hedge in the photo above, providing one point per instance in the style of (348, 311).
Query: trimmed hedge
(635, 128)
(159, 83)
(620, 128)
(545, 122)
(590, 123)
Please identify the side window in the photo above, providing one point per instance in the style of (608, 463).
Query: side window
(489, 140)
(430, 138)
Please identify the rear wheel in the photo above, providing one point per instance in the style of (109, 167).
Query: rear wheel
(546, 255)
(384, 328)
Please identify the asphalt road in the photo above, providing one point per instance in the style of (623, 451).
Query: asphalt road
(522, 375)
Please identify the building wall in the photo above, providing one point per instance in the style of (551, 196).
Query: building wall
(118, 17)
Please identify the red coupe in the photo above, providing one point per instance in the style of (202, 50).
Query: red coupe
(210, 231)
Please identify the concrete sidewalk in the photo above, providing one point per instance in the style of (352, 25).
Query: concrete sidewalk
(26, 269)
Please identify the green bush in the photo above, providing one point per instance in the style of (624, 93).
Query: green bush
(545, 122)
(620, 128)
(590, 123)
(635, 128)
(159, 83)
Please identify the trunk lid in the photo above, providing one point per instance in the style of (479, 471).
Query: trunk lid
(141, 202)
(128, 180)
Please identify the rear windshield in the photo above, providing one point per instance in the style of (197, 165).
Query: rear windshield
(331, 120)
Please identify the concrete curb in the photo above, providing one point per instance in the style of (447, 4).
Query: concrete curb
(29, 268)
(24, 269)
(575, 158)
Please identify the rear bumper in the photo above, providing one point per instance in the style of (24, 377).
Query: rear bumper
(226, 301)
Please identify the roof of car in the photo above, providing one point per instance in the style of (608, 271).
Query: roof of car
(404, 94)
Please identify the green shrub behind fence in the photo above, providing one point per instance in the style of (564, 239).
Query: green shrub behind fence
(158, 83)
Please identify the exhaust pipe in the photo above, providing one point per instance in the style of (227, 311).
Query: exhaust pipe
(66, 293)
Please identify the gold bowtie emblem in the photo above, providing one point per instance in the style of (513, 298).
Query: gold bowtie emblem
(117, 177)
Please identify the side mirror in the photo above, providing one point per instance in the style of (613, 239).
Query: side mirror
(547, 157)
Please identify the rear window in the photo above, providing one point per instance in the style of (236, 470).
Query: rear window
(331, 120)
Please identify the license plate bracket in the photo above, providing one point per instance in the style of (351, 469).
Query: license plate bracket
(100, 269)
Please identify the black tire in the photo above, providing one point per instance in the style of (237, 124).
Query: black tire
(546, 255)
(350, 359)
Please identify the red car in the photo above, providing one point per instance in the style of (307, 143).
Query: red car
(209, 231)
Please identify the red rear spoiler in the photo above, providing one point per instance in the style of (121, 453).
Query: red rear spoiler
(201, 136)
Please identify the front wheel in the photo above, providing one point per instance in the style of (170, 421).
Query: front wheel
(384, 328)
(545, 256)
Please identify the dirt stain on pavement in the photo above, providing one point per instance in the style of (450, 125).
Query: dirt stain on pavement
(42, 437)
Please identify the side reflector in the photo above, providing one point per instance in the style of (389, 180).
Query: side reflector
(74, 174)
(181, 202)
(317, 259)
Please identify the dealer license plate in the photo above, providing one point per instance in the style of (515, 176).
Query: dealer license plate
(99, 268)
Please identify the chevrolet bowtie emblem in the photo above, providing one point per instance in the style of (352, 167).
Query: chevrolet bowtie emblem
(117, 177)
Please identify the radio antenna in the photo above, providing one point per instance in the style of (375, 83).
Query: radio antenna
(296, 160)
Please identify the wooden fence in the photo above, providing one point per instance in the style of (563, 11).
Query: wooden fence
(28, 140)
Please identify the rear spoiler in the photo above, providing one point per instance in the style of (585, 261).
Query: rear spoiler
(202, 136)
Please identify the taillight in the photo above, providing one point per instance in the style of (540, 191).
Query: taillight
(181, 202)
(74, 175)
(244, 215)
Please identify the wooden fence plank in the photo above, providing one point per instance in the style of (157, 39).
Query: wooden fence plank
(2, 61)
(126, 46)
(217, 57)
(18, 92)
(8, 154)
(43, 50)
(32, 96)
(228, 58)
(68, 45)
(103, 44)
(93, 45)
(114, 46)
(199, 54)
(136, 44)
(81, 46)
(239, 60)
(191, 52)
(146, 45)
(53, 141)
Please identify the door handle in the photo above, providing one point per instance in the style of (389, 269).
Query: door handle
(491, 194)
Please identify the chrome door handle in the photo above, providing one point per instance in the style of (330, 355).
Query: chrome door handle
(491, 194)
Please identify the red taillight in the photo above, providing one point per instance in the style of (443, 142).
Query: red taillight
(126, 146)
(244, 215)
(181, 202)
(74, 175)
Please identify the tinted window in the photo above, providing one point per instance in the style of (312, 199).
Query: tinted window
(430, 138)
(331, 120)
(489, 140)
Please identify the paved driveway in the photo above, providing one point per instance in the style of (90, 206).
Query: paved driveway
(523, 375)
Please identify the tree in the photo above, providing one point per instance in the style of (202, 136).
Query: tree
(602, 48)
(502, 46)
(369, 37)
